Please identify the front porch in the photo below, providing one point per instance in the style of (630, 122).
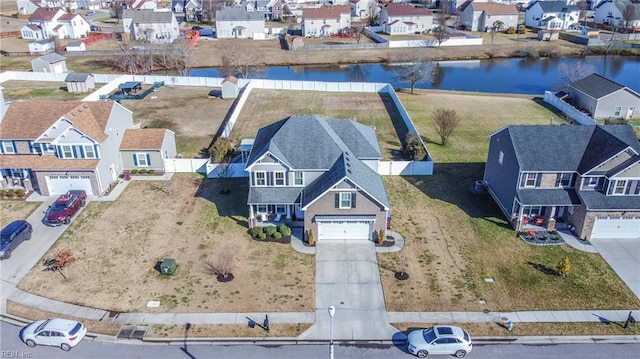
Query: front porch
(275, 215)
(540, 219)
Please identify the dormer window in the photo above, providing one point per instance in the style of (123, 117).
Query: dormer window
(7, 147)
(89, 152)
(563, 180)
(279, 178)
(67, 151)
(345, 200)
(261, 178)
(620, 187)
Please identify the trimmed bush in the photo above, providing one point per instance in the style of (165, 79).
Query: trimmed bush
(255, 231)
(284, 229)
(277, 235)
(151, 171)
(134, 171)
(20, 192)
(3, 193)
(270, 230)
(310, 238)
(262, 236)
(142, 171)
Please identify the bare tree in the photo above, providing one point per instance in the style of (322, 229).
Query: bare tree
(241, 60)
(629, 14)
(584, 11)
(374, 13)
(445, 122)
(415, 68)
(441, 32)
(572, 73)
(179, 56)
(358, 31)
(60, 263)
(222, 265)
(117, 10)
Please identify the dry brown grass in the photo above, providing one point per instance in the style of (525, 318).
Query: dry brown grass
(534, 329)
(224, 330)
(11, 210)
(118, 244)
(32, 90)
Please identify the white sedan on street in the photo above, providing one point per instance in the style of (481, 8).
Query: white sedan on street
(441, 339)
(62, 333)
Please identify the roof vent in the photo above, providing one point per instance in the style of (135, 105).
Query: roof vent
(85, 105)
(73, 114)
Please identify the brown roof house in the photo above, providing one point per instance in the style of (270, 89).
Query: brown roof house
(401, 19)
(54, 146)
(147, 148)
(483, 16)
(326, 20)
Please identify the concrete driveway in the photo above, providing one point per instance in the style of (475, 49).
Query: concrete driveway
(347, 277)
(623, 255)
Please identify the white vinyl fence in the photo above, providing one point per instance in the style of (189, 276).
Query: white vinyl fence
(567, 109)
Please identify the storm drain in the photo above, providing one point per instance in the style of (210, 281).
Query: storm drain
(132, 332)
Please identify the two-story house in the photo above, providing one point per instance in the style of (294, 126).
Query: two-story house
(586, 178)
(46, 23)
(363, 9)
(612, 12)
(28, 7)
(401, 19)
(54, 146)
(186, 10)
(552, 15)
(604, 98)
(321, 172)
(326, 20)
(237, 22)
(481, 16)
(153, 26)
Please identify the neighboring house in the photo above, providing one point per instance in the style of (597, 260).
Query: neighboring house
(76, 46)
(611, 12)
(80, 82)
(603, 98)
(28, 7)
(147, 148)
(551, 15)
(54, 146)
(363, 9)
(326, 20)
(42, 46)
(401, 19)
(158, 27)
(138, 4)
(46, 23)
(271, 9)
(88, 4)
(481, 16)
(186, 10)
(319, 172)
(54, 63)
(586, 178)
(237, 22)
(230, 87)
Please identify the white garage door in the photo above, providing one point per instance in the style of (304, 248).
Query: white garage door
(347, 229)
(61, 184)
(608, 227)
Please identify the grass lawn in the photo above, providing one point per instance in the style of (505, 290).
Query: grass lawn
(33, 90)
(118, 244)
(267, 106)
(13, 210)
(456, 239)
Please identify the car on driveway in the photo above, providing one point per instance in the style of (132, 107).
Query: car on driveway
(56, 332)
(94, 28)
(440, 339)
(65, 207)
(91, 13)
(12, 235)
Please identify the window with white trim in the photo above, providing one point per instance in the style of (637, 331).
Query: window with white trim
(345, 200)
(500, 157)
(141, 158)
(298, 179)
(67, 151)
(617, 111)
(279, 178)
(262, 208)
(281, 209)
(531, 179)
(563, 180)
(7, 147)
(89, 151)
(592, 181)
(620, 187)
(261, 178)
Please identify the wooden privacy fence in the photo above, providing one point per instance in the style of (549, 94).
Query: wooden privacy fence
(10, 34)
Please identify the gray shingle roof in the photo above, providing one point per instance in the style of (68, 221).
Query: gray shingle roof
(556, 6)
(594, 200)
(548, 197)
(237, 13)
(52, 58)
(569, 148)
(76, 77)
(273, 195)
(148, 16)
(596, 86)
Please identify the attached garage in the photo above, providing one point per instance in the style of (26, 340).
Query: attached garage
(616, 227)
(61, 184)
(351, 228)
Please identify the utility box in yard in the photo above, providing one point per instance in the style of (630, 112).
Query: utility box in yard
(168, 266)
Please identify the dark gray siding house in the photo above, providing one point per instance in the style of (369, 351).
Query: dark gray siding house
(603, 98)
(320, 174)
(583, 178)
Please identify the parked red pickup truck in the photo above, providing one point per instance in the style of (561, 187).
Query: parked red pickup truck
(65, 207)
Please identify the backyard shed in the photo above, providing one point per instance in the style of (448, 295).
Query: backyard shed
(49, 63)
(80, 82)
(547, 35)
(230, 88)
(41, 47)
(76, 46)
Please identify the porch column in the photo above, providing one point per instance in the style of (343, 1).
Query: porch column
(520, 213)
(288, 207)
(553, 212)
(250, 216)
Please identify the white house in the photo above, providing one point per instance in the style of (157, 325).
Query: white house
(481, 16)
(152, 26)
(45, 23)
(362, 9)
(237, 22)
(42, 46)
(28, 7)
(611, 12)
(326, 20)
(552, 15)
(400, 19)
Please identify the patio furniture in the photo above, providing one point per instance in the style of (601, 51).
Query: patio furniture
(539, 221)
(278, 216)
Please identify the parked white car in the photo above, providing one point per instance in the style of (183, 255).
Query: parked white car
(441, 339)
(56, 332)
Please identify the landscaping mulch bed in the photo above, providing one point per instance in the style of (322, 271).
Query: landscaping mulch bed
(541, 238)
(283, 240)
